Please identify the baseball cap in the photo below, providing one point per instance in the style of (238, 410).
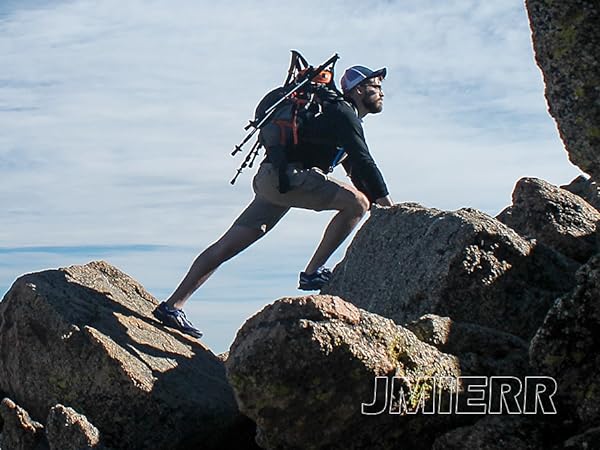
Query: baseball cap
(355, 75)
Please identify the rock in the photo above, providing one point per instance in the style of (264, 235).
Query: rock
(566, 348)
(481, 350)
(408, 260)
(84, 336)
(302, 367)
(553, 216)
(495, 433)
(588, 440)
(586, 189)
(567, 50)
(20, 432)
(68, 430)
(2, 396)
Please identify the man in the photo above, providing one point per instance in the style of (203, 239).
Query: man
(341, 138)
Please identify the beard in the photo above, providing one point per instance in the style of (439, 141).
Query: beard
(373, 104)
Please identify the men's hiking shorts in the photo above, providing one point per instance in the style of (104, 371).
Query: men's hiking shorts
(309, 189)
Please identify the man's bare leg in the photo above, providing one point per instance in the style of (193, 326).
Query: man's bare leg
(352, 206)
(236, 239)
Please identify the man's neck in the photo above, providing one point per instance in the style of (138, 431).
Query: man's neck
(360, 109)
(362, 112)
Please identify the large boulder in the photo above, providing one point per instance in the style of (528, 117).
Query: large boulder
(20, 431)
(481, 350)
(589, 439)
(585, 188)
(496, 433)
(566, 348)
(553, 216)
(66, 429)
(567, 49)
(84, 336)
(408, 260)
(303, 368)
(2, 396)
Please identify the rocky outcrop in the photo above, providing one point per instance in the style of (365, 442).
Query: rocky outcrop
(587, 440)
(2, 396)
(496, 433)
(566, 348)
(317, 372)
(65, 430)
(20, 432)
(302, 367)
(408, 260)
(553, 216)
(68, 430)
(84, 336)
(567, 49)
(586, 189)
(473, 290)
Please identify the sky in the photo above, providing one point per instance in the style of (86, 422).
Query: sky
(117, 122)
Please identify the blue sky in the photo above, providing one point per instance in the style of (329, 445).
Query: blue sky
(118, 118)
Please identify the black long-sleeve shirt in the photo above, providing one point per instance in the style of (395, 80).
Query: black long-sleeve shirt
(337, 128)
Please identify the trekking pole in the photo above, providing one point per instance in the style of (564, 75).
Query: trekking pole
(306, 77)
(268, 113)
(249, 159)
(255, 151)
(238, 148)
(296, 63)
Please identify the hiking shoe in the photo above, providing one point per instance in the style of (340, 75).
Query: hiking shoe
(175, 318)
(314, 281)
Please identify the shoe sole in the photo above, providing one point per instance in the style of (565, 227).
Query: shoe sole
(310, 288)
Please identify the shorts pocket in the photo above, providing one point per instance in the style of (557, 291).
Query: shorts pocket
(297, 177)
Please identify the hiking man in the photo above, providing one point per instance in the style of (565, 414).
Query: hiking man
(341, 138)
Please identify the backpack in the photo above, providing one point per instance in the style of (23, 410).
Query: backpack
(282, 113)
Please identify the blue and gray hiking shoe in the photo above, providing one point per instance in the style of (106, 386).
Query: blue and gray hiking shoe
(314, 281)
(175, 318)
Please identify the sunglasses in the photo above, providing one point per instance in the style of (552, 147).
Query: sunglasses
(374, 86)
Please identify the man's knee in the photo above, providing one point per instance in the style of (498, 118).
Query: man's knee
(365, 204)
(357, 202)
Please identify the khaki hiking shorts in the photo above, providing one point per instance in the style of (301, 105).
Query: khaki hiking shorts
(310, 189)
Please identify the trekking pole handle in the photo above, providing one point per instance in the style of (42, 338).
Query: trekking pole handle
(310, 73)
(282, 99)
(331, 60)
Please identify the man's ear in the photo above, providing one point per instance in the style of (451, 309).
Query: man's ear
(359, 90)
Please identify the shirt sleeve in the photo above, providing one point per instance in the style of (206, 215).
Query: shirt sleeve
(359, 164)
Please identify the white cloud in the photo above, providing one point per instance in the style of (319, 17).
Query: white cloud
(118, 118)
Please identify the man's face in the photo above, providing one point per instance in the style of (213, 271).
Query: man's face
(372, 95)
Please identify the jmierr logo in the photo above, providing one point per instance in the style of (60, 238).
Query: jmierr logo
(462, 395)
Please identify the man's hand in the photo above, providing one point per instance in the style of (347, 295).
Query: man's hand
(385, 201)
